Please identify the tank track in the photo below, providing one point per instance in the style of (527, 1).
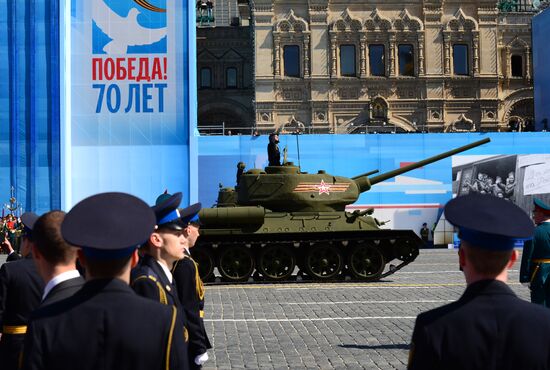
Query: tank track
(356, 255)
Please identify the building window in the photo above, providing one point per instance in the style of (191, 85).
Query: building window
(460, 60)
(291, 56)
(377, 60)
(406, 60)
(206, 78)
(231, 78)
(347, 60)
(517, 66)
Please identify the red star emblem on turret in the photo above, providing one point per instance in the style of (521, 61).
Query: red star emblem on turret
(323, 188)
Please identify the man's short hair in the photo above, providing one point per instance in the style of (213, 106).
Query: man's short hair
(487, 262)
(103, 268)
(49, 241)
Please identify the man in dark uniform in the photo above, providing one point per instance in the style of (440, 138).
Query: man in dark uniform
(20, 293)
(489, 327)
(105, 325)
(425, 234)
(55, 259)
(535, 261)
(152, 277)
(191, 289)
(273, 152)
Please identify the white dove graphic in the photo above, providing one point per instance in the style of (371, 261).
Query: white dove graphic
(124, 31)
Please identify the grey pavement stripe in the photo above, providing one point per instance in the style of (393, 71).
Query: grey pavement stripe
(368, 302)
(437, 272)
(315, 319)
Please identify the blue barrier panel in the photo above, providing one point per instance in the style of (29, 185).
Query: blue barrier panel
(541, 56)
(521, 161)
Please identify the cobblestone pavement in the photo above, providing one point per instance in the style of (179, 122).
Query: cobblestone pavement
(331, 325)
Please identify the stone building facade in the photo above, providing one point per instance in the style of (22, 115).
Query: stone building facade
(345, 66)
(225, 68)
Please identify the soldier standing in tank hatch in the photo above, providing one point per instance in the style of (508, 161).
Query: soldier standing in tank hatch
(489, 327)
(273, 152)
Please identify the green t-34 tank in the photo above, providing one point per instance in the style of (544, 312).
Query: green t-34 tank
(279, 218)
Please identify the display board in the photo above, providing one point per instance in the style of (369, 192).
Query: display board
(129, 98)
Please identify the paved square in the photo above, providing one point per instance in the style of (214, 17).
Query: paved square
(331, 325)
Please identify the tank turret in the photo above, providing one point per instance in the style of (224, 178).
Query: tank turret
(286, 188)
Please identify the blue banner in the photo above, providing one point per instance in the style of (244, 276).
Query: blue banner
(128, 104)
(29, 109)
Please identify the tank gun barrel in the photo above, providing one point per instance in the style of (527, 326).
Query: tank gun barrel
(364, 182)
(365, 174)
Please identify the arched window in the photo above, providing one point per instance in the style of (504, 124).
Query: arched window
(206, 78)
(461, 38)
(291, 39)
(409, 37)
(346, 49)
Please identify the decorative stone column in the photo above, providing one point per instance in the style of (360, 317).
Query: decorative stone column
(528, 63)
(363, 60)
(420, 53)
(447, 53)
(333, 55)
(508, 62)
(306, 56)
(277, 57)
(392, 55)
(476, 53)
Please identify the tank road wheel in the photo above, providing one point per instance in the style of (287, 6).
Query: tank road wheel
(236, 263)
(366, 262)
(276, 262)
(323, 262)
(204, 256)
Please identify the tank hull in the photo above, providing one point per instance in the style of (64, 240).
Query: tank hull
(322, 245)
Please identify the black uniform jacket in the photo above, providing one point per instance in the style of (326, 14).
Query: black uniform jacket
(63, 290)
(13, 257)
(273, 154)
(149, 281)
(21, 290)
(489, 327)
(105, 325)
(186, 275)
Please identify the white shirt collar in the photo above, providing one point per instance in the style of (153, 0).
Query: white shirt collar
(64, 276)
(166, 271)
